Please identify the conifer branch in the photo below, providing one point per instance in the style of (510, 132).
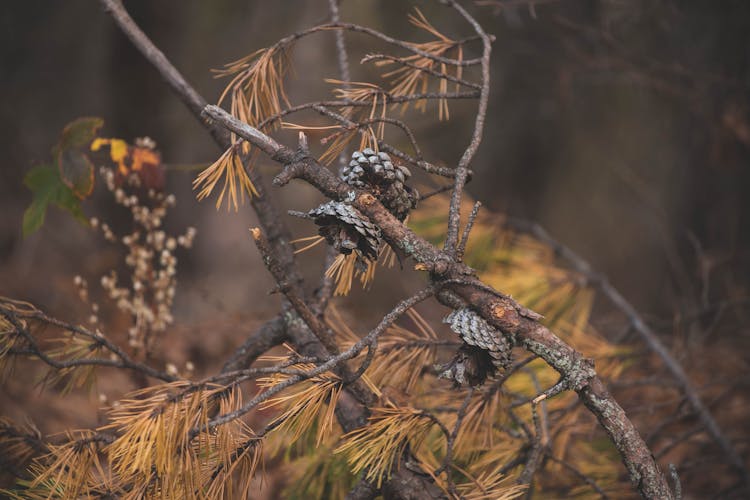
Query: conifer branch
(32, 348)
(500, 311)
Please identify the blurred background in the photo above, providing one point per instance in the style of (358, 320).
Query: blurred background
(623, 127)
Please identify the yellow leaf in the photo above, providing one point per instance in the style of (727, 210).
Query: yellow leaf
(118, 151)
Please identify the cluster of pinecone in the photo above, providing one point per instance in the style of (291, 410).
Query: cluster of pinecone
(346, 228)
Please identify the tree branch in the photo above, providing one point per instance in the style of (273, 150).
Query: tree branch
(499, 310)
(650, 338)
(462, 170)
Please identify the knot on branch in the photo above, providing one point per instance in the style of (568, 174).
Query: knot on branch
(289, 172)
(439, 268)
(580, 374)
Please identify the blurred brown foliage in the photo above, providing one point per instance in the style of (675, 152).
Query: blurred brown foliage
(622, 127)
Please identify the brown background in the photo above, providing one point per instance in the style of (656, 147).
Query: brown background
(622, 127)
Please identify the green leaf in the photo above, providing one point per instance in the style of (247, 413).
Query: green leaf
(76, 171)
(79, 133)
(48, 188)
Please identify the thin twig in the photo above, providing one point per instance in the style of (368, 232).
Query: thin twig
(350, 103)
(424, 69)
(435, 192)
(326, 288)
(408, 46)
(447, 464)
(362, 126)
(34, 349)
(467, 230)
(462, 169)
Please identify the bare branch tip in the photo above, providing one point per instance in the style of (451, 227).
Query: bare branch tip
(303, 146)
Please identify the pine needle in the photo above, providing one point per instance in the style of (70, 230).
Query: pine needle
(304, 403)
(345, 267)
(236, 181)
(315, 240)
(377, 447)
(73, 348)
(257, 84)
(415, 76)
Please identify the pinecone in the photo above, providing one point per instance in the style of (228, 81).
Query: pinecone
(470, 366)
(346, 228)
(475, 331)
(387, 182)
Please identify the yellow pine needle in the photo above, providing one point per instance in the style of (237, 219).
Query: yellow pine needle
(153, 427)
(229, 167)
(322, 475)
(478, 430)
(9, 339)
(386, 256)
(235, 452)
(337, 323)
(401, 358)
(420, 21)
(490, 485)
(370, 139)
(73, 348)
(361, 92)
(368, 276)
(415, 77)
(316, 240)
(295, 126)
(257, 87)
(377, 447)
(14, 444)
(340, 141)
(342, 272)
(305, 404)
(67, 467)
(344, 268)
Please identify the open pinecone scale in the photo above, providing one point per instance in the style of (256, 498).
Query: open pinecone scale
(346, 229)
(376, 173)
